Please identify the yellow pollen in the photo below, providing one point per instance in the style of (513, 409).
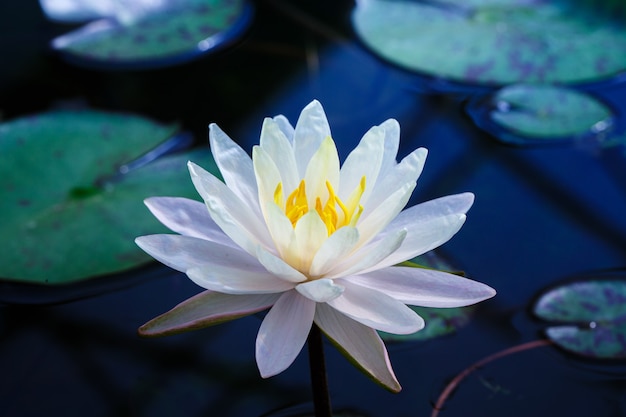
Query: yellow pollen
(334, 212)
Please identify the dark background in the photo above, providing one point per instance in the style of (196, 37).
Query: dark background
(542, 215)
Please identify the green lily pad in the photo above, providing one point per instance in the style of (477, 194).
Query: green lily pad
(535, 113)
(590, 317)
(496, 41)
(177, 32)
(68, 212)
(545, 111)
(439, 321)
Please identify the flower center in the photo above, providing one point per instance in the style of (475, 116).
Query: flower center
(334, 212)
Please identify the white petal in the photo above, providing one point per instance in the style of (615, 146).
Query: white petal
(323, 166)
(310, 233)
(184, 252)
(238, 278)
(450, 204)
(422, 239)
(235, 166)
(368, 256)
(281, 230)
(285, 127)
(278, 267)
(392, 143)
(376, 220)
(406, 172)
(359, 343)
(268, 176)
(187, 217)
(425, 287)
(280, 150)
(334, 249)
(428, 226)
(206, 309)
(231, 214)
(283, 332)
(376, 309)
(320, 290)
(364, 160)
(311, 129)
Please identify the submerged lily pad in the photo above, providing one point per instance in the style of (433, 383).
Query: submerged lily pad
(590, 317)
(496, 41)
(68, 211)
(439, 321)
(529, 114)
(159, 34)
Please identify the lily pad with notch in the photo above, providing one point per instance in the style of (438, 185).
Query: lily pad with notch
(151, 34)
(587, 317)
(541, 114)
(69, 213)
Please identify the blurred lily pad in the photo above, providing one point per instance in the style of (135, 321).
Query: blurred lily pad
(497, 42)
(589, 317)
(68, 211)
(148, 34)
(534, 113)
(439, 321)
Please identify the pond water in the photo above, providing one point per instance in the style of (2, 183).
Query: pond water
(543, 215)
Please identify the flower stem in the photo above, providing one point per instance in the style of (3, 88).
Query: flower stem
(460, 377)
(319, 383)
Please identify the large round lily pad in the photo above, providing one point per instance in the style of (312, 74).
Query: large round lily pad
(497, 41)
(589, 317)
(175, 31)
(538, 113)
(67, 211)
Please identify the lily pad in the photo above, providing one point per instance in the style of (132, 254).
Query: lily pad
(150, 34)
(589, 317)
(439, 321)
(68, 212)
(535, 113)
(495, 42)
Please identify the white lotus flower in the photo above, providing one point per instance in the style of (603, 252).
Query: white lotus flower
(293, 231)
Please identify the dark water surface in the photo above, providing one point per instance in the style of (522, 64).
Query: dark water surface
(542, 215)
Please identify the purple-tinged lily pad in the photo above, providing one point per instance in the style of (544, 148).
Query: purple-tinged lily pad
(495, 42)
(589, 317)
(439, 321)
(152, 34)
(68, 211)
(529, 114)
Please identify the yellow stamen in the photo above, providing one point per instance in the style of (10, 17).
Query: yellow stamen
(355, 199)
(355, 218)
(328, 216)
(296, 205)
(329, 209)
